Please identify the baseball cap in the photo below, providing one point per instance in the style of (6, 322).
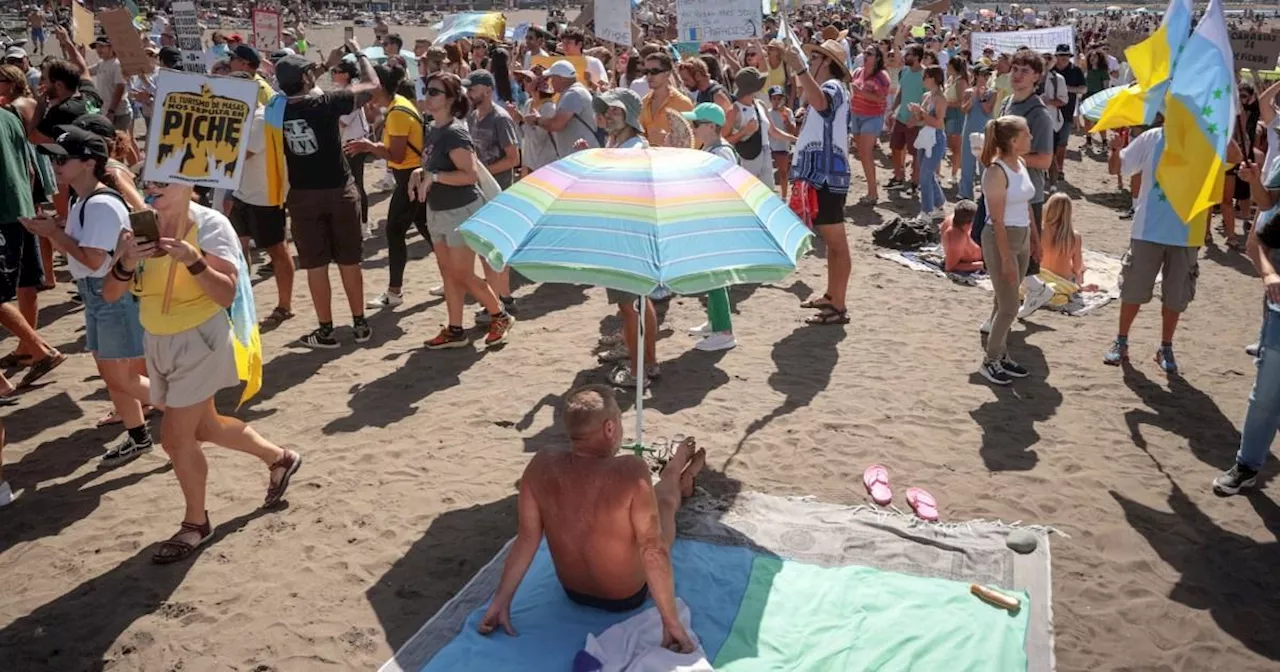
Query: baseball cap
(95, 124)
(776, 90)
(480, 78)
(170, 57)
(234, 37)
(561, 69)
(706, 112)
(290, 70)
(245, 53)
(15, 53)
(281, 53)
(76, 143)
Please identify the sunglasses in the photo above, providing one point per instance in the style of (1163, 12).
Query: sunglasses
(433, 91)
(655, 71)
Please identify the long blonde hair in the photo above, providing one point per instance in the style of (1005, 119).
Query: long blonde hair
(999, 135)
(14, 75)
(1058, 231)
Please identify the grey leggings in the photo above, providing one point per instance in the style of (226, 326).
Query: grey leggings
(1005, 310)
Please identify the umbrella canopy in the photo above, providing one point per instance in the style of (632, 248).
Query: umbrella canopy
(1092, 106)
(379, 56)
(638, 219)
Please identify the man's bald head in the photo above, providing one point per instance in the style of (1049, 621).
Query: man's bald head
(587, 409)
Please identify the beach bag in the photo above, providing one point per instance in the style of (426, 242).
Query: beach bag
(750, 148)
(804, 201)
(905, 234)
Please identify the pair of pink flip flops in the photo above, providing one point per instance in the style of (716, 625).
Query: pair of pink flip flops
(876, 480)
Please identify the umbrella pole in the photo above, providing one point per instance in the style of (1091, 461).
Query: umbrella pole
(640, 374)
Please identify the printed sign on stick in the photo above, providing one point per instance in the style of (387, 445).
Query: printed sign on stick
(200, 129)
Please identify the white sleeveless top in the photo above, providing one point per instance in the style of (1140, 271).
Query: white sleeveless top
(1017, 196)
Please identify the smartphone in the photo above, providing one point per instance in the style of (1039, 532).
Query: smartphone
(348, 33)
(146, 228)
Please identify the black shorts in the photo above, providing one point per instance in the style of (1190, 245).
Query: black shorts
(264, 223)
(615, 606)
(19, 261)
(830, 207)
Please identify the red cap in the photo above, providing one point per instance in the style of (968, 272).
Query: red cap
(234, 37)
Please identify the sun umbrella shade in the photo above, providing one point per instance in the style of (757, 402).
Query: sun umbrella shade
(637, 219)
(1092, 106)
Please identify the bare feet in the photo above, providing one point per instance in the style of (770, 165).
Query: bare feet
(679, 459)
(691, 472)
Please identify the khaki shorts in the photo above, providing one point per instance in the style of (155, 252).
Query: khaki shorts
(1145, 260)
(190, 367)
(443, 224)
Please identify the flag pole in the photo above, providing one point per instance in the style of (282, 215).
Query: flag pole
(639, 373)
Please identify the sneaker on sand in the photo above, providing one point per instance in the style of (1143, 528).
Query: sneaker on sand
(483, 317)
(448, 338)
(124, 451)
(1165, 359)
(723, 340)
(436, 291)
(1035, 300)
(995, 373)
(499, 328)
(363, 332)
(385, 300)
(1235, 479)
(1013, 368)
(320, 338)
(1117, 353)
(1251, 350)
(701, 331)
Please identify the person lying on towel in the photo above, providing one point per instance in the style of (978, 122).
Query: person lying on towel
(609, 528)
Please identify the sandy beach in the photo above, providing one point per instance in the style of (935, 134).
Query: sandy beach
(412, 459)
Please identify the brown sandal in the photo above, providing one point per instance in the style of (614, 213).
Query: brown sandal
(816, 302)
(290, 462)
(181, 550)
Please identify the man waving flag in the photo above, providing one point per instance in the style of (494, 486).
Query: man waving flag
(1152, 61)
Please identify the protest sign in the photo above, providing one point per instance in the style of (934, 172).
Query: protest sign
(915, 17)
(687, 49)
(200, 130)
(518, 33)
(186, 27)
(81, 25)
(579, 64)
(613, 21)
(701, 21)
(1119, 40)
(125, 40)
(1040, 40)
(266, 30)
(1254, 49)
(585, 16)
(950, 21)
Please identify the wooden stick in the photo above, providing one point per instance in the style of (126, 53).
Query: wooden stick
(995, 597)
(184, 229)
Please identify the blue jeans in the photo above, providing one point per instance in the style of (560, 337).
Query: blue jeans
(1263, 416)
(931, 196)
(968, 171)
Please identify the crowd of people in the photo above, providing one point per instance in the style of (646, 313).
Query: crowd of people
(445, 128)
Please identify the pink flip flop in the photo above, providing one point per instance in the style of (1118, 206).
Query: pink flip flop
(923, 503)
(876, 480)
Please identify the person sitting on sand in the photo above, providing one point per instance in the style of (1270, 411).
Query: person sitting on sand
(1061, 248)
(609, 528)
(961, 253)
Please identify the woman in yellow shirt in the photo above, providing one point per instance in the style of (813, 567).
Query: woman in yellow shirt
(184, 282)
(401, 147)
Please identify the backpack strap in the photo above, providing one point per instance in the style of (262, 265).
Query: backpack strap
(416, 117)
(98, 192)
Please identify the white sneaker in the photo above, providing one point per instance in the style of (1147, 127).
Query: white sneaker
(722, 340)
(436, 291)
(6, 494)
(701, 331)
(384, 300)
(1035, 300)
(985, 327)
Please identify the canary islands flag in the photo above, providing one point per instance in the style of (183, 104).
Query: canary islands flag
(277, 170)
(246, 338)
(1199, 118)
(1152, 60)
(471, 25)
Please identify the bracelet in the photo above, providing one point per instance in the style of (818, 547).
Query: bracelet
(197, 268)
(118, 272)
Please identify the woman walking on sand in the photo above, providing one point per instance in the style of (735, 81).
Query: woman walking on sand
(1008, 238)
(184, 283)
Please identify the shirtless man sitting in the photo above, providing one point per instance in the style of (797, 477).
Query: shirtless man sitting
(960, 252)
(608, 527)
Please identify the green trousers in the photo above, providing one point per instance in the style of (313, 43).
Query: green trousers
(718, 310)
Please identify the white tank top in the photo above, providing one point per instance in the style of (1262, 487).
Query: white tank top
(1017, 196)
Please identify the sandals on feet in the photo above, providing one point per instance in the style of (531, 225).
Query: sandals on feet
(290, 462)
(277, 316)
(41, 369)
(174, 549)
(829, 315)
(819, 302)
(14, 359)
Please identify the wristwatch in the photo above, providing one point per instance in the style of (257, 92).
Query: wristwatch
(435, 177)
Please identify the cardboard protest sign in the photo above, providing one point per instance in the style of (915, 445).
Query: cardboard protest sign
(266, 30)
(1254, 49)
(579, 64)
(118, 24)
(186, 27)
(81, 25)
(722, 21)
(613, 21)
(199, 132)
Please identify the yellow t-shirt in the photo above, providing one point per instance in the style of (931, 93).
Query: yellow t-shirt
(265, 92)
(1004, 89)
(404, 123)
(776, 77)
(654, 120)
(189, 306)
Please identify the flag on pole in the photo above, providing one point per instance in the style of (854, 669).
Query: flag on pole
(1199, 118)
(1152, 61)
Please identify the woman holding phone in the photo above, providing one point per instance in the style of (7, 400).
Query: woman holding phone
(184, 283)
(1008, 237)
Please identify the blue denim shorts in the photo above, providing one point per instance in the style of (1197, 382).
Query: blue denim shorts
(112, 330)
(953, 123)
(869, 125)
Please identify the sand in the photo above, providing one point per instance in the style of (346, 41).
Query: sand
(412, 459)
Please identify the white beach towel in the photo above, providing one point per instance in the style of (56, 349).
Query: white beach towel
(635, 645)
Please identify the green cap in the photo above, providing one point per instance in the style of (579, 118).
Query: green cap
(708, 112)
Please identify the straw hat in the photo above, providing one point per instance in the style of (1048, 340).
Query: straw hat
(832, 50)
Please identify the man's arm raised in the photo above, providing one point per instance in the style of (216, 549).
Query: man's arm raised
(518, 559)
(655, 554)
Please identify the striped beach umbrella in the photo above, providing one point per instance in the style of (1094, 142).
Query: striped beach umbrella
(1093, 106)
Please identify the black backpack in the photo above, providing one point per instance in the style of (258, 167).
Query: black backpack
(750, 147)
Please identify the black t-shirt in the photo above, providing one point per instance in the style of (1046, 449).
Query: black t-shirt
(85, 100)
(313, 141)
(1074, 77)
(440, 141)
